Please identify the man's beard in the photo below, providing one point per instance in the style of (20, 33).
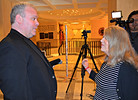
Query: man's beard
(134, 29)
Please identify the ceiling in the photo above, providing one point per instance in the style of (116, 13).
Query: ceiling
(69, 11)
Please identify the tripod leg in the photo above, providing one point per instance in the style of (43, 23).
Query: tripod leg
(93, 59)
(83, 71)
(74, 70)
(82, 74)
(82, 88)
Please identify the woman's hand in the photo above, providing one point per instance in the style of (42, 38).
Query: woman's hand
(86, 65)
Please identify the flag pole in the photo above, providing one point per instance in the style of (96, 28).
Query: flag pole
(66, 51)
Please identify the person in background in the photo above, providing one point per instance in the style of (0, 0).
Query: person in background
(61, 38)
(25, 73)
(132, 29)
(118, 76)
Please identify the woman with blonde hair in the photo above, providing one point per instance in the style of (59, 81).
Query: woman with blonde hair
(118, 76)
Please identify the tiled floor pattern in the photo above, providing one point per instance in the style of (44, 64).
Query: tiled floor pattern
(63, 80)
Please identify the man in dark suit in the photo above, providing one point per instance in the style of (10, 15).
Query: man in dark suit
(25, 73)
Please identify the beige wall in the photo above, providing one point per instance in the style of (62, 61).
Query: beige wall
(127, 6)
(5, 7)
(1, 21)
(75, 30)
(96, 24)
(112, 6)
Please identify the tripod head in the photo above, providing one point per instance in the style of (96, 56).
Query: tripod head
(85, 33)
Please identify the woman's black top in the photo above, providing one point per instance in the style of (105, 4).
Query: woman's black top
(116, 83)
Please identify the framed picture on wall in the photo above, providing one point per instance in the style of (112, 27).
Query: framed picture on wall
(50, 35)
(46, 35)
(42, 35)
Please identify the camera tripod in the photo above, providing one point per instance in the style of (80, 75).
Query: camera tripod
(83, 52)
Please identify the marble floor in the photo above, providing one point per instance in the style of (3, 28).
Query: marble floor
(64, 72)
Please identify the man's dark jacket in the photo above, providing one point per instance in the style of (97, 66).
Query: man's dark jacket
(134, 40)
(25, 73)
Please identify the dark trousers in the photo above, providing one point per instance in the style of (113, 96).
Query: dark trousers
(60, 47)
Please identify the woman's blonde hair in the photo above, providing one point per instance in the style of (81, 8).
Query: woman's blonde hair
(120, 48)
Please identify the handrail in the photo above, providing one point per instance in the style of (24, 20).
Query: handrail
(74, 46)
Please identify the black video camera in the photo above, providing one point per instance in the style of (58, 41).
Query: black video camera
(85, 32)
(117, 16)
